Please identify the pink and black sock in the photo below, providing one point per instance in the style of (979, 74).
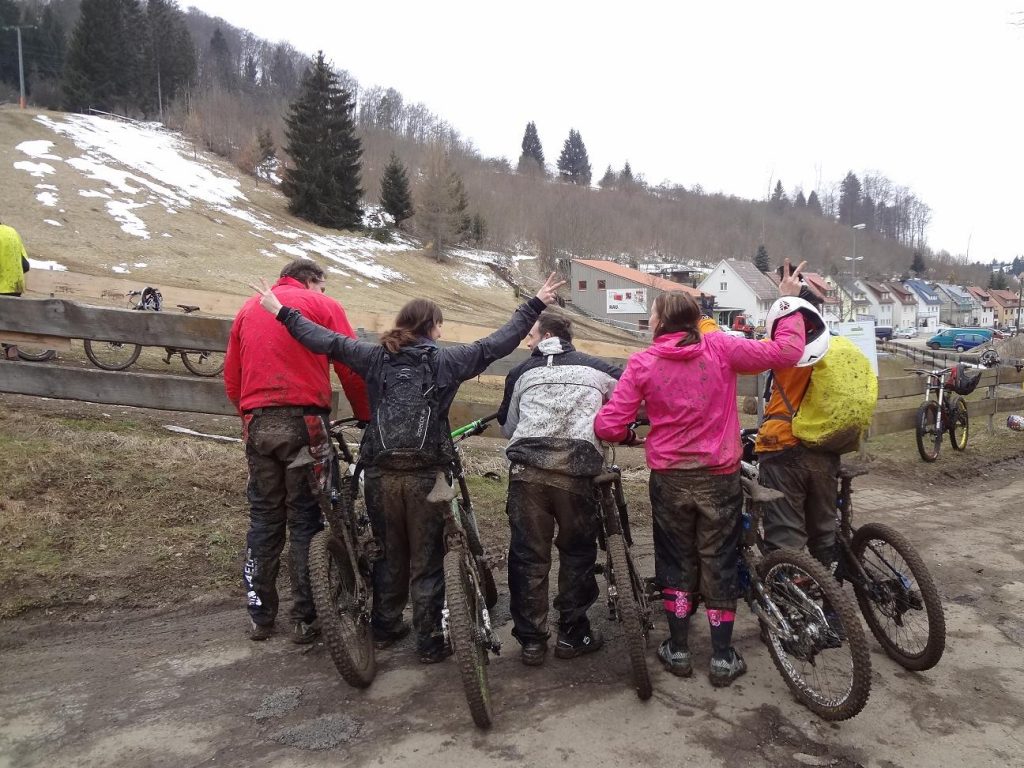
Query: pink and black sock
(721, 623)
(679, 606)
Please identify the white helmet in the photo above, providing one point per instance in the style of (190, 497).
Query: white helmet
(816, 332)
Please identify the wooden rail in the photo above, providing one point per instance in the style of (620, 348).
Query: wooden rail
(60, 320)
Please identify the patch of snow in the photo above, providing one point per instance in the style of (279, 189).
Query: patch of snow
(165, 234)
(39, 170)
(220, 234)
(92, 193)
(140, 265)
(50, 265)
(120, 270)
(254, 234)
(48, 199)
(372, 285)
(130, 223)
(269, 254)
(118, 180)
(52, 222)
(287, 235)
(47, 186)
(375, 217)
(37, 148)
(291, 250)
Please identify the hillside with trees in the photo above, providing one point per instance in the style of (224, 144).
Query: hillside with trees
(248, 100)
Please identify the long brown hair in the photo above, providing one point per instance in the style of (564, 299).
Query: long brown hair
(414, 321)
(678, 311)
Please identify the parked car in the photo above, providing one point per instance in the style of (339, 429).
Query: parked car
(905, 333)
(965, 341)
(883, 332)
(946, 339)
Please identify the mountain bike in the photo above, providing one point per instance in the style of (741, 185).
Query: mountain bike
(118, 355)
(469, 586)
(941, 412)
(809, 625)
(341, 559)
(627, 593)
(893, 586)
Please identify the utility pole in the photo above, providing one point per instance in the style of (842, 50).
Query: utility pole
(21, 61)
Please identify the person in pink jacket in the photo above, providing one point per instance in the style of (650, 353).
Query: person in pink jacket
(688, 382)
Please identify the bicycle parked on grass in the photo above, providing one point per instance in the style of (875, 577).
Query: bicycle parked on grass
(341, 559)
(118, 355)
(941, 412)
(469, 585)
(809, 625)
(627, 593)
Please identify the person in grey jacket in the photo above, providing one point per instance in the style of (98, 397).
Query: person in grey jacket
(548, 413)
(409, 527)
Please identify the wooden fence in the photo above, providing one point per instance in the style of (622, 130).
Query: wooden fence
(55, 321)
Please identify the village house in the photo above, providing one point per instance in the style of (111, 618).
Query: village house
(880, 300)
(1006, 309)
(957, 307)
(985, 317)
(928, 304)
(904, 310)
(739, 287)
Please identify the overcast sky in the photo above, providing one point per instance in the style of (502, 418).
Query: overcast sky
(732, 96)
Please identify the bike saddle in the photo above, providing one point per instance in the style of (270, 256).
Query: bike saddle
(850, 471)
(188, 308)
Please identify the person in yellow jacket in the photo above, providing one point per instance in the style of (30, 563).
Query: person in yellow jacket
(13, 266)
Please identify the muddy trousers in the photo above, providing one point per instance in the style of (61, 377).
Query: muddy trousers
(283, 478)
(696, 533)
(411, 531)
(806, 517)
(533, 512)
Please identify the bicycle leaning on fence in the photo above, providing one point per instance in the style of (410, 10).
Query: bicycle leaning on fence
(941, 412)
(118, 355)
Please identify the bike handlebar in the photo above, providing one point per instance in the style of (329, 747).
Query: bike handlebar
(937, 373)
(473, 428)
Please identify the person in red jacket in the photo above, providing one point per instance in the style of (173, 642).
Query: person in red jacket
(283, 393)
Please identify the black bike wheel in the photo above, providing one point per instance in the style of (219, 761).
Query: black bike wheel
(467, 632)
(629, 612)
(203, 363)
(900, 602)
(112, 355)
(929, 439)
(476, 547)
(959, 426)
(35, 354)
(827, 673)
(344, 621)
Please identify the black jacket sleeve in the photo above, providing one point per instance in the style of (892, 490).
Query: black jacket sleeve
(357, 355)
(465, 361)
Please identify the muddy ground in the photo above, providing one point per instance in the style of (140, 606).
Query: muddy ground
(181, 685)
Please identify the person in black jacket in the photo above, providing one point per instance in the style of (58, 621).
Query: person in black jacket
(548, 413)
(399, 480)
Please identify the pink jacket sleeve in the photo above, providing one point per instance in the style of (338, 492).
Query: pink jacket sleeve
(784, 351)
(619, 412)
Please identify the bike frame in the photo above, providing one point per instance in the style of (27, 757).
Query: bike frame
(939, 389)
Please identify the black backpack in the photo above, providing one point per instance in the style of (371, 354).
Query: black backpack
(407, 431)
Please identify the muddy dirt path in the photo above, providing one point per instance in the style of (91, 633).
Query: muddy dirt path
(186, 688)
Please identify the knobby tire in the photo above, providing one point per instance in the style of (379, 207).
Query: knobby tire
(207, 364)
(851, 701)
(629, 613)
(928, 439)
(36, 355)
(345, 628)
(932, 648)
(959, 424)
(127, 354)
(467, 633)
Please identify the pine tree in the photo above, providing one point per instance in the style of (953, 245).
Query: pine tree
(626, 178)
(322, 183)
(440, 205)
(609, 180)
(813, 203)
(460, 206)
(917, 266)
(219, 64)
(573, 163)
(850, 200)
(997, 280)
(761, 259)
(478, 230)
(395, 197)
(170, 55)
(779, 199)
(800, 201)
(266, 154)
(103, 66)
(532, 158)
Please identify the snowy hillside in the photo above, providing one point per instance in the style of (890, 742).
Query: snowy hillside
(144, 176)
